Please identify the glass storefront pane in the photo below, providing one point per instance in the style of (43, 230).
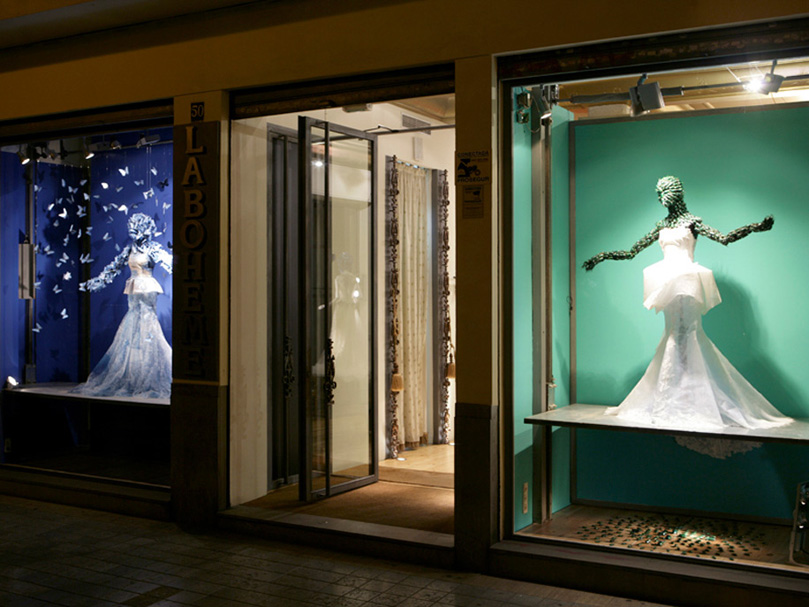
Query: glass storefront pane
(86, 303)
(694, 452)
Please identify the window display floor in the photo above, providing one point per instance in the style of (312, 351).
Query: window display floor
(592, 416)
(63, 390)
(671, 534)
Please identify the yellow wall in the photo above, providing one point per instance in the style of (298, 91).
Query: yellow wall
(287, 41)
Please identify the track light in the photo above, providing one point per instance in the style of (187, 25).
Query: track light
(548, 96)
(147, 140)
(766, 84)
(88, 153)
(22, 154)
(115, 144)
(645, 97)
(523, 100)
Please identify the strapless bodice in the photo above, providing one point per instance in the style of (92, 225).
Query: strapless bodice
(141, 279)
(677, 244)
(678, 274)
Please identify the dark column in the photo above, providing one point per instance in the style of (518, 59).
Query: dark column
(200, 315)
(476, 484)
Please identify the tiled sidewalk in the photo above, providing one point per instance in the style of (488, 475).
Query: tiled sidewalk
(58, 555)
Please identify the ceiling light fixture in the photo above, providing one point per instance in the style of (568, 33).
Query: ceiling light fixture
(645, 97)
(766, 84)
(549, 96)
(23, 156)
(147, 140)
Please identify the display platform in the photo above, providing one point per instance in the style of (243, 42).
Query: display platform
(592, 416)
(63, 390)
(681, 535)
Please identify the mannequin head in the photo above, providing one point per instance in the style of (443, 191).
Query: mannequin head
(670, 192)
(141, 228)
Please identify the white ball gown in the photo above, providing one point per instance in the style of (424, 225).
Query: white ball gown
(138, 363)
(689, 384)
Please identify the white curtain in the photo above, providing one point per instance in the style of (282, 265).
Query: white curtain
(413, 302)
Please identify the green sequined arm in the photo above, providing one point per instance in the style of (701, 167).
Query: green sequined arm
(644, 242)
(734, 235)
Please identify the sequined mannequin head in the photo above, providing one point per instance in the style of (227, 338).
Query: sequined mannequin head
(670, 192)
(141, 227)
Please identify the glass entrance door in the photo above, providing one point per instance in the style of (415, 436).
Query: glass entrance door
(337, 198)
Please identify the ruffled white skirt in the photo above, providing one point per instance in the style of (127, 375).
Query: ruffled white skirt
(138, 363)
(689, 384)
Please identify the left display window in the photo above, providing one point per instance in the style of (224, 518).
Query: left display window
(85, 303)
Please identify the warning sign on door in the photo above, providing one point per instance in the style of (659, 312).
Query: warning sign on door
(473, 167)
(472, 201)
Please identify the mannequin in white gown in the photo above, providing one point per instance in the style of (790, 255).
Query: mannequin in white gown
(689, 384)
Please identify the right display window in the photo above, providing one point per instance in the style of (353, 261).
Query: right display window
(659, 257)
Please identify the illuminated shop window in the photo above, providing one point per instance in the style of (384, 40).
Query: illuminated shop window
(85, 226)
(652, 193)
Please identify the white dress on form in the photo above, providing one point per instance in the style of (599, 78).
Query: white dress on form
(138, 362)
(689, 384)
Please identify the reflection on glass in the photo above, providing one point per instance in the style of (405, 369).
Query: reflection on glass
(350, 181)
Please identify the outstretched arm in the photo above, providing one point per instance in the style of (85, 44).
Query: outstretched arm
(636, 248)
(160, 255)
(108, 274)
(734, 235)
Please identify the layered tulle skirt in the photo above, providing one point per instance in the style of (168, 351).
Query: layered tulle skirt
(689, 384)
(138, 363)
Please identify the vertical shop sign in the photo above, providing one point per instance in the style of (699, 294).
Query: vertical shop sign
(196, 251)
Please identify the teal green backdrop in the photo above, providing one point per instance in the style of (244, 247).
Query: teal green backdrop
(735, 168)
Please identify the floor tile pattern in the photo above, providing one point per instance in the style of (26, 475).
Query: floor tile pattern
(59, 555)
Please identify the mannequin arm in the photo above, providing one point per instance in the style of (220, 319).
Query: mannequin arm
(737, 234)
(161, 256)
(108, 274)
(617, 255)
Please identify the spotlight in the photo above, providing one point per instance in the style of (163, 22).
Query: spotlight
(769, 83)
(11, 382)
(88, 153)
(115, 144)
(147, 140)
(23, 156)
(544, 103)
(645, 97)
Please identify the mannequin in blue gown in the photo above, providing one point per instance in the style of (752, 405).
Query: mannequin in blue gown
(138, 363)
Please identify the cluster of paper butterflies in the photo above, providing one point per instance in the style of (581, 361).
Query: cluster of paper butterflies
(71, 204)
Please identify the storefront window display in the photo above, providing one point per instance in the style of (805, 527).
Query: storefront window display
(86, 302)
(649, 204)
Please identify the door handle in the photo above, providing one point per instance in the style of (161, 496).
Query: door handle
(289, 367)
(329, 385)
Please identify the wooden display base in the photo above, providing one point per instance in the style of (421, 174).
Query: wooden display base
(671, 534)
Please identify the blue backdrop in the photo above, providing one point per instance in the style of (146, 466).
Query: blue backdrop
(81, 216)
